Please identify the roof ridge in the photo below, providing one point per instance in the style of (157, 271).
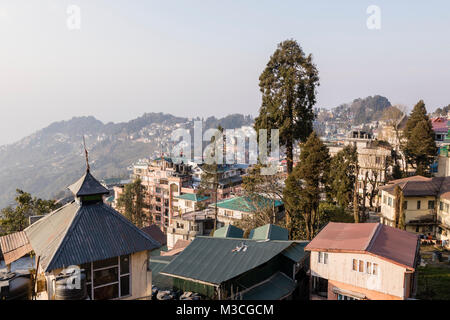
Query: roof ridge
(373, 236)
(49, 215)
(64, 240)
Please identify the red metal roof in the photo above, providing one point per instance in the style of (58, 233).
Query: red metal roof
(386, 242)
(155, 233)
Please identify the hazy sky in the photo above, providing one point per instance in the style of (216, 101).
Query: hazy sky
(204, 58)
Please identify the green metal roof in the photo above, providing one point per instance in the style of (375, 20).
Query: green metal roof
(157, 263)
(276, 288)
(296, 252)
(269, 231)
(214, 260)
(192, 197)
(229, 231)
(246, 204)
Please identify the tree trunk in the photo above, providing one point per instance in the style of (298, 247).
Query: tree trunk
(356, 201)
(289, 156)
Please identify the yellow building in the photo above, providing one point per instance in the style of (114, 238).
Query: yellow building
(426, 205)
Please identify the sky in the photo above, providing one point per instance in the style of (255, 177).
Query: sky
(202, 58)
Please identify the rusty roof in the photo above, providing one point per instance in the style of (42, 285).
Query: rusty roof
(155, 233)
(395, 245)
(14, 246)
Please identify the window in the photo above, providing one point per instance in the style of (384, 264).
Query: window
(369, 267)
(343, 297)
(441, 205)
(320, 287)
(109, 278)
(188, 203)
(431, 204)
(405, 205)
(325, 258)
(390, 201)
(355, 265)
(320, 257)
(375, 269)
(361, 266)
(180, 225)
(418, 204)
(446, 207)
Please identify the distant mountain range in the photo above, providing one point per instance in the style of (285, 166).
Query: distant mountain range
(46, 162)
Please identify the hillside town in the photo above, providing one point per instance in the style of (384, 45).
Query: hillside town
(257, 157)
(181, 231)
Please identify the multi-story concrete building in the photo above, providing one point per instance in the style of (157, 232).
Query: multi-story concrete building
(163, 181)
(426, 205)
(366, 261)
(187, 226)
(373, 162)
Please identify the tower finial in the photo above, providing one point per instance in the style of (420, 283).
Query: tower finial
(86, 154)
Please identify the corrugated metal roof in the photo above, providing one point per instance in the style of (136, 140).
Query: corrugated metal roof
(214, 260)
(296, 252)
(229, 231)
(87, 185)
(76, 234)
(192, 197)
(393, 244)
(269, 231)
(278, 287)
(14, 246)
(246, 204)
(156, 234)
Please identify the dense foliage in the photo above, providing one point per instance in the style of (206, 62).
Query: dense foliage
(288, 86)
(16, 218)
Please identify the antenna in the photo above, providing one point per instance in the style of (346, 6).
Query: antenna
(86, 154)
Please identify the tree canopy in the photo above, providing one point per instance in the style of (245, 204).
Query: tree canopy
(16, 218)
(305, 186)
(420, 149)
(288, 86)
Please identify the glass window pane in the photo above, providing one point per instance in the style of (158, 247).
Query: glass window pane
(106, 263)
(124, 286)
(124, 264)
(106, 276)
(107, 292)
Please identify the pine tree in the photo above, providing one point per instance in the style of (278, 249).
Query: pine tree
(288, 86)
(420, 149)
(305, 186)
(131, 202)
(343, 176)
(209, 184)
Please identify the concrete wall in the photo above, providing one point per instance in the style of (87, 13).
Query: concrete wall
(411, 213)
(390, 280)
(141, 278)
